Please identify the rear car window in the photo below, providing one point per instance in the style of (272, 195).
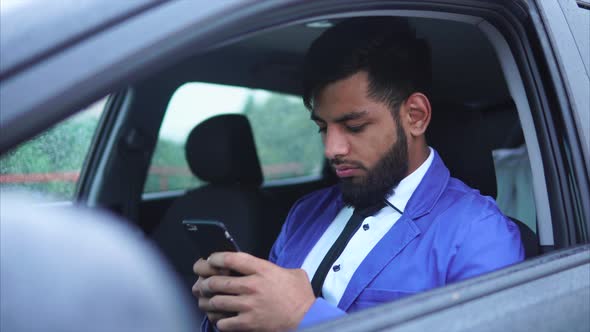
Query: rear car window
(50, 164)
(287, 142)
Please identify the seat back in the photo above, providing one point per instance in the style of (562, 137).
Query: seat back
(457, 133)
(221, 152)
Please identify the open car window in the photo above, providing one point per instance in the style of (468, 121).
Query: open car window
(287, 142)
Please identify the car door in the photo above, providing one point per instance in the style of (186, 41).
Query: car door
(562, 216)
(165, 34)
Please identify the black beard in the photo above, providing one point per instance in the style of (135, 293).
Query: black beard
(381, 180)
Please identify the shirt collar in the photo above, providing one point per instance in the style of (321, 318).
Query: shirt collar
(405, 189)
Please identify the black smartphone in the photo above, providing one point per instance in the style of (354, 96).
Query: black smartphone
(209, 237)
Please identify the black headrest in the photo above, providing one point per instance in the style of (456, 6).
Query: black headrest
(455, 131)
(221, 150)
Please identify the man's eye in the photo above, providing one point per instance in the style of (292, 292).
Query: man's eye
(321, 130)
(356, 129)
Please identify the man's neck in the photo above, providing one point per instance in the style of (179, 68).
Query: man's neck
(416, 157)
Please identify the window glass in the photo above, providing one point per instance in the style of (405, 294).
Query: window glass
(514, 181)
(50, 163)
(287, 141)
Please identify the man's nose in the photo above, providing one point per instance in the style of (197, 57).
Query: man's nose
(335, 144)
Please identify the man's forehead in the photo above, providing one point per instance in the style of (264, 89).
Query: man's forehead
(340, 116)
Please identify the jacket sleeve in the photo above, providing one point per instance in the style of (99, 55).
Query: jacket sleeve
(206, 326)
(319, 312)
(286, 231)
(488, 244)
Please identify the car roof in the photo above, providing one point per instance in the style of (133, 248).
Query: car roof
(464, 65)
(31, 29)
(80, 70)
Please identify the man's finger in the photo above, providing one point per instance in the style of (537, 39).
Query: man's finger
(229, 304)
(204, 269)
(215, 316)
(235, 323)
(204, 304)
(217, 306)
(227, 285)
(241, 262)
(198, 290)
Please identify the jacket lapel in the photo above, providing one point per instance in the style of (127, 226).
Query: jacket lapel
(404, 231)
(394, 241)
(309, 234)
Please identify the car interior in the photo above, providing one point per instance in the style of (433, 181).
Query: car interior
(474, 115)
(476, 122)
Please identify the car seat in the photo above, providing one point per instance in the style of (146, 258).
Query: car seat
(456, 133)
(221, 152)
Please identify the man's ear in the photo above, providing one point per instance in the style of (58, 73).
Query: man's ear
(417, 113)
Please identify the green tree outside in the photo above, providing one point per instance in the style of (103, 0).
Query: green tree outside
(60, 150)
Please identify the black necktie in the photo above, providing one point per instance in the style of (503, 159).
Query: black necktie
(351, 226)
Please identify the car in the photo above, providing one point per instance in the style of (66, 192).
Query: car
(138, 108)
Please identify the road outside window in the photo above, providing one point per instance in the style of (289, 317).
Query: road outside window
(49, 165)
(288, 145)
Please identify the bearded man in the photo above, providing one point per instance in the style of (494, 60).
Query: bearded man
(395, 224)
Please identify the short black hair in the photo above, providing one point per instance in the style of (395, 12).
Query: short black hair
(397, 63)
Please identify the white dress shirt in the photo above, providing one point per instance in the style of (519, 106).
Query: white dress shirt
(364, 240)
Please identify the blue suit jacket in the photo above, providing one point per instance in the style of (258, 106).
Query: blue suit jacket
(448, 232)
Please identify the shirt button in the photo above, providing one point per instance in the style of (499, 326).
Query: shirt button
(366, 227)
(336, 268)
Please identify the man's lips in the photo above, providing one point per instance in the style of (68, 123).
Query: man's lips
(347, 171)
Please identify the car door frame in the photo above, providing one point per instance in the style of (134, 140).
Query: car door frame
(566, 77)
(553, 111)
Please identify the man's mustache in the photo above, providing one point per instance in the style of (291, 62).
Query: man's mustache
(352, 163)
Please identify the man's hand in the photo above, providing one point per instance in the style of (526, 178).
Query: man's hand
(205, 270)
(266, 298)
